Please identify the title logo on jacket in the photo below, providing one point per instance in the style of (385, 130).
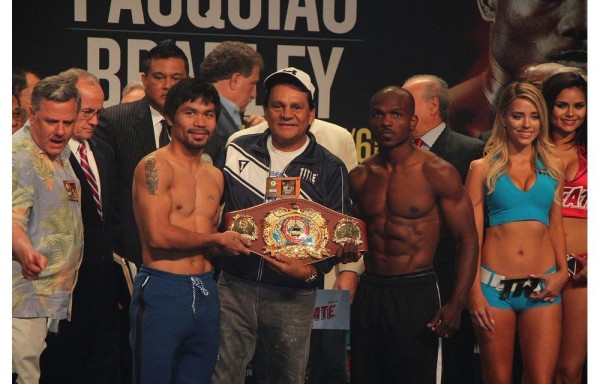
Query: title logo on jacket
(308, 175)
(242, 164)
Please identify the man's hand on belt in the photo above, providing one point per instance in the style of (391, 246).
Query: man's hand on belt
(348, 252)
(234, 243)
(291, 267)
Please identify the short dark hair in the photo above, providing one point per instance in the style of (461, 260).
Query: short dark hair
(396, 89)
(16, 96)
(228, 58)
(19, 78)
(553, 86)
(166, 49)
(55, 88)
(19, 82)
(190, 89)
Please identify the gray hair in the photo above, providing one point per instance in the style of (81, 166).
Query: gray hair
(131, 86)
(435, 87)
(77, 74)
(55, 88)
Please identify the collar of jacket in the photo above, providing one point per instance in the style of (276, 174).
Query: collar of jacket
(261, 146)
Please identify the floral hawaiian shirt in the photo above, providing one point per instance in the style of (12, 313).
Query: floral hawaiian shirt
(46, 203)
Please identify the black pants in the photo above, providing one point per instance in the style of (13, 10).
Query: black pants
(389, 339)
(86, 349)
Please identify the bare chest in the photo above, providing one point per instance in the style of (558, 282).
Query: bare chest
(398, 195)
(194, 194)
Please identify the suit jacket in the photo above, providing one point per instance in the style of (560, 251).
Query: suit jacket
(97, 231)
(128, 129)
(459, 150)
(87, 348)
(226, 127)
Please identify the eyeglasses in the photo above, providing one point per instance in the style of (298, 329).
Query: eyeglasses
(87, 114)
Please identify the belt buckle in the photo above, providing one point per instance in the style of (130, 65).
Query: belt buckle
(519, 287)
(296, 228)
(296, 233)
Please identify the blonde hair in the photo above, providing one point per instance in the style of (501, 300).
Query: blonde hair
(496, 149)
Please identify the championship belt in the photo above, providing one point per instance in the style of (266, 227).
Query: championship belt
(296, 228)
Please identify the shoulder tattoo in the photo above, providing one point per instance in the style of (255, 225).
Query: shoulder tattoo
(151, 175)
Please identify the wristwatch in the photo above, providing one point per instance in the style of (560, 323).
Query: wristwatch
(313, 275)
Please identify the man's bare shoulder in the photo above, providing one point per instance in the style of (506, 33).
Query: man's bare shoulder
(213, 171)
(434, 163)
(372, 161)
(440, 173)
(154, 167)
(210, 167)
(357, 175)
(156, 159)
(363, 169)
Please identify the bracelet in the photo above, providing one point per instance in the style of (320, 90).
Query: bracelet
(313, 275)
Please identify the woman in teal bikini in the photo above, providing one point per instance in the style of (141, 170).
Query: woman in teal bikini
(519, 185)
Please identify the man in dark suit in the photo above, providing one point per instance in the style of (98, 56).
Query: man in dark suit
(86, 349)
(233, 68)
(432, 133)
(133, 130)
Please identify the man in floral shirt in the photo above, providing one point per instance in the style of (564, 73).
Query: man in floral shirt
(47, 232)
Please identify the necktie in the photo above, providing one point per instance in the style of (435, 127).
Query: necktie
(85, 165)
(418, 142)
(163, 138)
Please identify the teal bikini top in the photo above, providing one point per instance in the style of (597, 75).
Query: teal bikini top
(508, 203)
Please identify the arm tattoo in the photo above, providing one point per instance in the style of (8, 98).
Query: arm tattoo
(151, 175)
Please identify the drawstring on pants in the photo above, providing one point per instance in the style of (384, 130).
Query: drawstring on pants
(197, 283)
